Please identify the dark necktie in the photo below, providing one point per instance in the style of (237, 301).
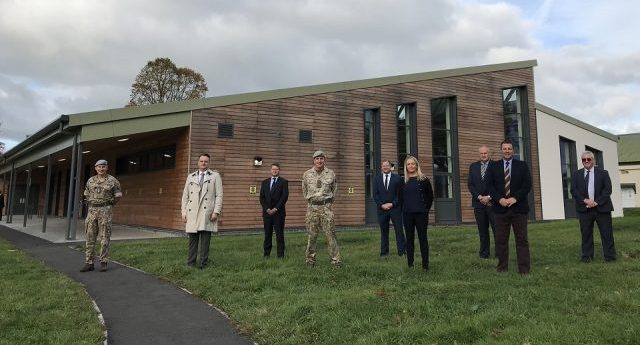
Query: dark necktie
(273, 183)
(586, 180)
(507, 179)
(386, 181)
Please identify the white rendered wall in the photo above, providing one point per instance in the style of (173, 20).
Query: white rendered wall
(550, 129)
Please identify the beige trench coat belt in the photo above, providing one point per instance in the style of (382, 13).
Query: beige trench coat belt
(99, 204)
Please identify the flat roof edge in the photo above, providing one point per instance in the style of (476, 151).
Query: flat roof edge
(572, 120)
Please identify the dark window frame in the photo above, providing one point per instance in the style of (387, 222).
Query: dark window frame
(449, 158)
(567, 165)
(521, 145)
(411, 113)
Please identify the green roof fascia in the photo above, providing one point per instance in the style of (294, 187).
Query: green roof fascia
(629, 148)
(40, 151)
(361, 84)
(117, 128)
(81, 119)
(576, 122)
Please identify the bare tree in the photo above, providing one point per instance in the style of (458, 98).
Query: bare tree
(161, 81)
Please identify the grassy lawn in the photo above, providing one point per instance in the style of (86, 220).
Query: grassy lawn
(379, 301)
(41, 306)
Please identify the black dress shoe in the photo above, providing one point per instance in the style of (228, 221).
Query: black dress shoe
(103, 267)
(586, 260)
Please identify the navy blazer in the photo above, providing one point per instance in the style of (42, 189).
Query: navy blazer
(601, 189)
(477, 186)
(276, 198)
(520, 185)
(393, 195)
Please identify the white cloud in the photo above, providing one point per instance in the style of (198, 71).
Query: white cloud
(61, 57)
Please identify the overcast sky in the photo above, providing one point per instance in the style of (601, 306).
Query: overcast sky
(64, 57)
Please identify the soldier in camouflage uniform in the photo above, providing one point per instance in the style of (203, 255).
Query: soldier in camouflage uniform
(102, 192)
(319, 189)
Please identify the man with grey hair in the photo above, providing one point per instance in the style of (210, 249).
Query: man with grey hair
(591, 190)
(481, 200)
(101, 193)
(319, 189)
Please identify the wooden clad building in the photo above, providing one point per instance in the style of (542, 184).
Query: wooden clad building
(441, 117)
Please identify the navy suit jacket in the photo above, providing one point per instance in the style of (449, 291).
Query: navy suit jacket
(601, 189)
(276, 198)
(393, 195)
(520, 185)
(477, 186)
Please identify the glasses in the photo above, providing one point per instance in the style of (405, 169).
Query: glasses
(586, 159)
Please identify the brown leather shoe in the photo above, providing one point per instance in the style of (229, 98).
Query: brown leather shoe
(87, 268)
(103, 267)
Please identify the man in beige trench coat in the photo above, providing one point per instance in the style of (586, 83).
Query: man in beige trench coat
(201, 207)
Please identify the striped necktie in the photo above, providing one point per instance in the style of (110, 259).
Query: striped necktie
(507, 179)
(483, 169)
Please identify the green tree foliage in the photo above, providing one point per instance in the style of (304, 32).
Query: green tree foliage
(161, 81)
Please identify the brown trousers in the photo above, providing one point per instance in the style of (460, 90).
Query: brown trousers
(504, 222)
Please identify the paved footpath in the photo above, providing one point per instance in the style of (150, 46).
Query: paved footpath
(137, 308)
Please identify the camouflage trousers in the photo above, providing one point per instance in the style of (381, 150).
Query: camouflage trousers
(98, 223)
(320, 218)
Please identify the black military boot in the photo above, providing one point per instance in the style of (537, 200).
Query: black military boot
(87, 268)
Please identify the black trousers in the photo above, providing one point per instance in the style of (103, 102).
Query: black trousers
(395, 215)
(504, 222)
(199, 243)
(484, 219)
(603, 219)
(271, 224)
(417, 222)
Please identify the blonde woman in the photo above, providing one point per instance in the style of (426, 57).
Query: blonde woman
(417, 198)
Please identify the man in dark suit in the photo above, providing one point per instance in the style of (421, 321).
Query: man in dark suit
(274, 193)
(591, 190)
(481, 201)
(509, 187)
(386, 193)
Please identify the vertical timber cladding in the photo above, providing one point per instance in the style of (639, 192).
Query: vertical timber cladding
(269, 129)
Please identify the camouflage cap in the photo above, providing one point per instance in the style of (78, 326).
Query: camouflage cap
(101, 162)
(318, 153)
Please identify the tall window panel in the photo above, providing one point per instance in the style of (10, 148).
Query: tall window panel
(406, 129)
(442, 111)
(567, 165)
(515, 120)
(371, 160)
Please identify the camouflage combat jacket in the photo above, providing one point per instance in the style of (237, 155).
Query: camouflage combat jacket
(319, 188)
(102, 193)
